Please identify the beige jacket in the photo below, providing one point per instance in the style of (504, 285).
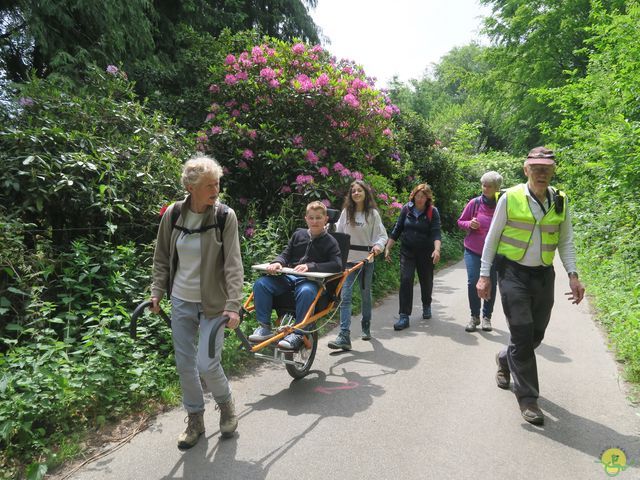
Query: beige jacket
(221, 278)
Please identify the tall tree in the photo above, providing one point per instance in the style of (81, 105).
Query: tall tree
(536, 44)
(45, 36)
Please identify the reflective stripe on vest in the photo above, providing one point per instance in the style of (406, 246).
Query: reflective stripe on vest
(518, 231)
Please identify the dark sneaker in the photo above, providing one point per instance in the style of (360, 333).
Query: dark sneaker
(531, 412)
(228, 418)
(486, 324)
(503, 376)
(342, 342)
(195, 428)
(260, 334)
(473, 323)
(402, 323)
(366, 332)
(293, 341)
(426, 313)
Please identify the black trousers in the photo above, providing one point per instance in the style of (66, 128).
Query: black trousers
(527, 300)
(410, 261)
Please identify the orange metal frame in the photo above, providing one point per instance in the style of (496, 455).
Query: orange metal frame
(310, 317)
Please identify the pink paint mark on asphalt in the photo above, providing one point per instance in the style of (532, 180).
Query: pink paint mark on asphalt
(330, 390)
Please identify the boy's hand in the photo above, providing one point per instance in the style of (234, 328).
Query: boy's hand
(274, 267)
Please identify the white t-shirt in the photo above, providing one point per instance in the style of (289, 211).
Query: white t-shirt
(186, 283)
(366, 232)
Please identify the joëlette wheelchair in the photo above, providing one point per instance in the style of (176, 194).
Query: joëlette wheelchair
(297, 361)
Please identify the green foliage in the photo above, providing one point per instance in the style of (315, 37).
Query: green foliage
(88, 160)
(599, 140)
(73, 363)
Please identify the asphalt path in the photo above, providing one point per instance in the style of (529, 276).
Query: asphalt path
(417, 404)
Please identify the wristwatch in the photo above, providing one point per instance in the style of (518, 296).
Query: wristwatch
(573, 275)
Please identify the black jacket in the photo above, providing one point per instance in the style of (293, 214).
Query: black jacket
(417, 232)
(321, 254)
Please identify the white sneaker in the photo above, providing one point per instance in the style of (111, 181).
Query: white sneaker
(473, 323)
(486, 324)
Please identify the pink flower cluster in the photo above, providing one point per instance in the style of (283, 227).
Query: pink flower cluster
(258, 83)
(304, 179)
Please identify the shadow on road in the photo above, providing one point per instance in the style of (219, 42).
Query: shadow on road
(214, 457)
(583, 434)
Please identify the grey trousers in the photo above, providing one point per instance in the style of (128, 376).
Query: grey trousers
(527, 299)
(197, 372)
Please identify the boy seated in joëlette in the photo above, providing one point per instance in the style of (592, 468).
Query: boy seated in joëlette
(310, 249)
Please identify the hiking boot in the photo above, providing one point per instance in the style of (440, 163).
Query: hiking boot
(228, 419)
(260, 334)
(473, 323)
(426, 312)
(530, 411)
(503, 376)
(342, 342)
(402, 323)
(195, 428)
(293, 341)
(486, 324)
(366, 332)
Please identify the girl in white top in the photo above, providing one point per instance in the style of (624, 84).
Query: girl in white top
(361, 220)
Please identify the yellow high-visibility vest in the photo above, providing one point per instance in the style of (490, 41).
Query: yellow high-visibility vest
(518, 232)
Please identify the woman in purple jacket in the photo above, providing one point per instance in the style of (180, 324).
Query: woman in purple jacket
(476, 219)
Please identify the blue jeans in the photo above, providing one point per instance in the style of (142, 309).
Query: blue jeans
(364, 277)
(472, 261)
(191, 330)
(269, 286)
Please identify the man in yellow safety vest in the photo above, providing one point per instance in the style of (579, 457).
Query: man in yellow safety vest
(530, 222)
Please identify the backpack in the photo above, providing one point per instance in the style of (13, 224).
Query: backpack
(221, 218)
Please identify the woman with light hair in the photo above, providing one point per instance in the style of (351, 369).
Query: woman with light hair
(476, 219)
(197, 264)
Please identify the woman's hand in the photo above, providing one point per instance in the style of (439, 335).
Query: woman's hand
(436, 256)
(234, 319)
(387, 250)
(155, 305)
(474, 224)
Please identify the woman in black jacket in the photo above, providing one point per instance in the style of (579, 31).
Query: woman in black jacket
(419, 228)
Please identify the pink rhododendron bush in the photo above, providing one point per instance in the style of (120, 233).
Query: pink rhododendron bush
(290, 120)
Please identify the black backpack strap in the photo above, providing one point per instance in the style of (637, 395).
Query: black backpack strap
(557, 199)
(221, 217)
(476, 206)
(175, 213)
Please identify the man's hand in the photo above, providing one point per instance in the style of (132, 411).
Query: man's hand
(577, 291)
(234, 319)
(274, 267)
(484, 288)
(435, 256)
(303, 267)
